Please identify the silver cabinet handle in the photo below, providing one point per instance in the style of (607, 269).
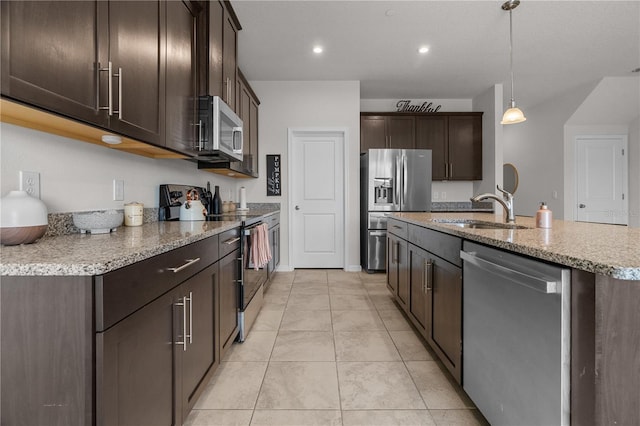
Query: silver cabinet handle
(186, 265)
(231, 241)
(450, 170)
(109, 71)
(199, 145)
(183, 304)
(119, 111)
(190, 317)
(428, 270)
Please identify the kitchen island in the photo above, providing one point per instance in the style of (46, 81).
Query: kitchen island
(603, 262)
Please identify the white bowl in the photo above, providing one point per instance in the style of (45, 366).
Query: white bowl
(100, 222)
(23, 218)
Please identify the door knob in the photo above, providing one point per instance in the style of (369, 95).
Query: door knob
(297, 207)
(582, 206)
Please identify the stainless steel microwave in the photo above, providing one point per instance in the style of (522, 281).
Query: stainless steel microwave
(220, 132)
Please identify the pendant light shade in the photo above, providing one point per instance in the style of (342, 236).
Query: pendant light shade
(512, 115)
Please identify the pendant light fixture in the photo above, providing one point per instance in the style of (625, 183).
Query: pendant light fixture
(513, 114)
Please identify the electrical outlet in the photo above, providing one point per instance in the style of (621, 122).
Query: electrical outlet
(554, 194)
(434, 195)
(30, 183)
(118, 190)
(444, 195)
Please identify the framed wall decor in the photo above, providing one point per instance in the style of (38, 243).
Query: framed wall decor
(274, 175)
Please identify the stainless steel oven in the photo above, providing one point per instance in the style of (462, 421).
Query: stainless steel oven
(252, 279)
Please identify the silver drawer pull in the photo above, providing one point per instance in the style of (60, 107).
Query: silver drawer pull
(186, 265)
(231, 241)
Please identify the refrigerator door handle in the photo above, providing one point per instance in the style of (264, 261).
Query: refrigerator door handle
(397, 184)
(404, 180)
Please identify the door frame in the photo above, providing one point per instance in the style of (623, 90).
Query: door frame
(292, 133)
(625, 170)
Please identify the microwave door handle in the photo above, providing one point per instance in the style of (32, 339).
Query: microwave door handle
(236, 130)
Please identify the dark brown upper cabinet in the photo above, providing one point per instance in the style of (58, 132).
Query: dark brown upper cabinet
(456, 144)
(82, 60)
(386, 131)
(221, 64)
(455, 139)
(50, 55)
(181, 72)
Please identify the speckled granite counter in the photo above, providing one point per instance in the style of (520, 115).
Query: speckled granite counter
(603, 249)
(86, 254)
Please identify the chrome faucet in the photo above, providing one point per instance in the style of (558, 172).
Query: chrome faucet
(506, 201)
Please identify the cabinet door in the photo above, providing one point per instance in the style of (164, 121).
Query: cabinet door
(229, 60)
(372, 133)
(253, 138)
(420, 282)
(446, 331)
(398, 269)
(228, 300)
(137, 46)
(181, 87)
(465, 147)
(200, 354)
(401, 132)
(50, 55)
(214, 70)
(431, 133)
(134, 367)
(244, 112)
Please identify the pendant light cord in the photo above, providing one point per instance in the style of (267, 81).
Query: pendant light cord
(511, 55)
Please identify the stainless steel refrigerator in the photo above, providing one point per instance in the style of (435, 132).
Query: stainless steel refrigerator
(391, 180)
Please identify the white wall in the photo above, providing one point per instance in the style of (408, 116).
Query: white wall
(537, 149)
(634, 173)
(300, 104)
(78, 176)
(490, 102)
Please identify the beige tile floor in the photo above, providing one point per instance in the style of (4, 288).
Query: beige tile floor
(331, 348)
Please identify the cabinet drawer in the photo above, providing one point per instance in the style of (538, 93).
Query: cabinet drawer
(397, 227)
(272, 220)
(123, 291)
(443, 245)
(229, 241)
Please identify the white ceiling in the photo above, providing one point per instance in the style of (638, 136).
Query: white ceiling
(558, 45)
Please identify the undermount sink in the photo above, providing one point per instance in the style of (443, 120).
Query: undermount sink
(478, 224)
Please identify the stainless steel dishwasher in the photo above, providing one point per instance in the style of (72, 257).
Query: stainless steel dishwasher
(516, 337)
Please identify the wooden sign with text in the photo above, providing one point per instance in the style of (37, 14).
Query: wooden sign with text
(274, 175)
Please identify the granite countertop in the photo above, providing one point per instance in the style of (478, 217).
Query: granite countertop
(86, 254)
(602, 249)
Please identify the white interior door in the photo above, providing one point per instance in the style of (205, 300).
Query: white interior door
(317, 201)
(601, 179)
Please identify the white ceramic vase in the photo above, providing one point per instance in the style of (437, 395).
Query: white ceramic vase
(23, 218)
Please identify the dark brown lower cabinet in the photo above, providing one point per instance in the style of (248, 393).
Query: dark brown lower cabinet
(135, 358)
(166, 348)
(397, 269)
(228, 301)
(435, 306)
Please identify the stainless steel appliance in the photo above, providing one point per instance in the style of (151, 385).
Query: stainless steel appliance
(251, 283)
(220, 131)
(391, 180)
(516, 337)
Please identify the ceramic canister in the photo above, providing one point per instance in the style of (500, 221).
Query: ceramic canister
(23, 219)
(133, 214)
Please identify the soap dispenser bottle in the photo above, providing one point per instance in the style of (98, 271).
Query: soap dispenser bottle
(543, 216)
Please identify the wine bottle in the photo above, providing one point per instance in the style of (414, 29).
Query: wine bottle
(217, 201)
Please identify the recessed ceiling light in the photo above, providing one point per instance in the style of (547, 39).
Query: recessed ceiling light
(423, 49)
(317, 49)
(390, 12)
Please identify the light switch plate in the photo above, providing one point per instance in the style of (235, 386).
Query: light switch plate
(118, 190)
